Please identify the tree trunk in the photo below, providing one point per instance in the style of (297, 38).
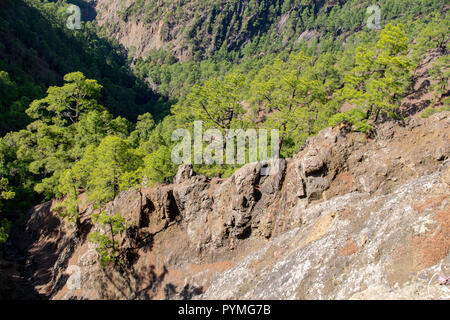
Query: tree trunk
(78, 224)
(369, 112)
(377, 114)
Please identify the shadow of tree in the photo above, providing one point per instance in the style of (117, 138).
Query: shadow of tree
(146, 284)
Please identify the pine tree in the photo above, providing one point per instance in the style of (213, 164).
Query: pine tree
(290, 95)
(64, 105)
(380, 76)
(69, 185)
(110, 161)
(440, 73)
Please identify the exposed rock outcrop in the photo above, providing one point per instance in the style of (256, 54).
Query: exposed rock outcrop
(348, 217)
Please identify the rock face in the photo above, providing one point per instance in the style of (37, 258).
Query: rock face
(140, 33)
(347, 218)
(179, 26)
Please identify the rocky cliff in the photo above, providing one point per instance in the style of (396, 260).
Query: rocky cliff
(171, 25)
(349, 217)
(200, 28)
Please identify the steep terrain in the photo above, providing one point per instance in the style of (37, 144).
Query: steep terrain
(188, 28)
(201, 28)
(37, 50)
(348, 217)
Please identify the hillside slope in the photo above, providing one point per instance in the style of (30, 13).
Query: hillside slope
(37, 50)
(347, 217)
(349, 214)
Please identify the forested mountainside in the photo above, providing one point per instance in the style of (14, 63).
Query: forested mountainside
(37, 50)
(90, 112)
(211, 37)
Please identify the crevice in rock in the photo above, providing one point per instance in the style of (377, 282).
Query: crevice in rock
(172, 209)
(146, 211)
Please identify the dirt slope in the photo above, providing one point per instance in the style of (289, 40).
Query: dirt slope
(347, 217)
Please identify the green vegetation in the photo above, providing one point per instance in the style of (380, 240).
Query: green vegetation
(107, 246)
(222, 34)
(295, 94)
(5, 193)
(440, 74)
(432, 110)
(37, 50)
(107, 169)
(379, 78)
